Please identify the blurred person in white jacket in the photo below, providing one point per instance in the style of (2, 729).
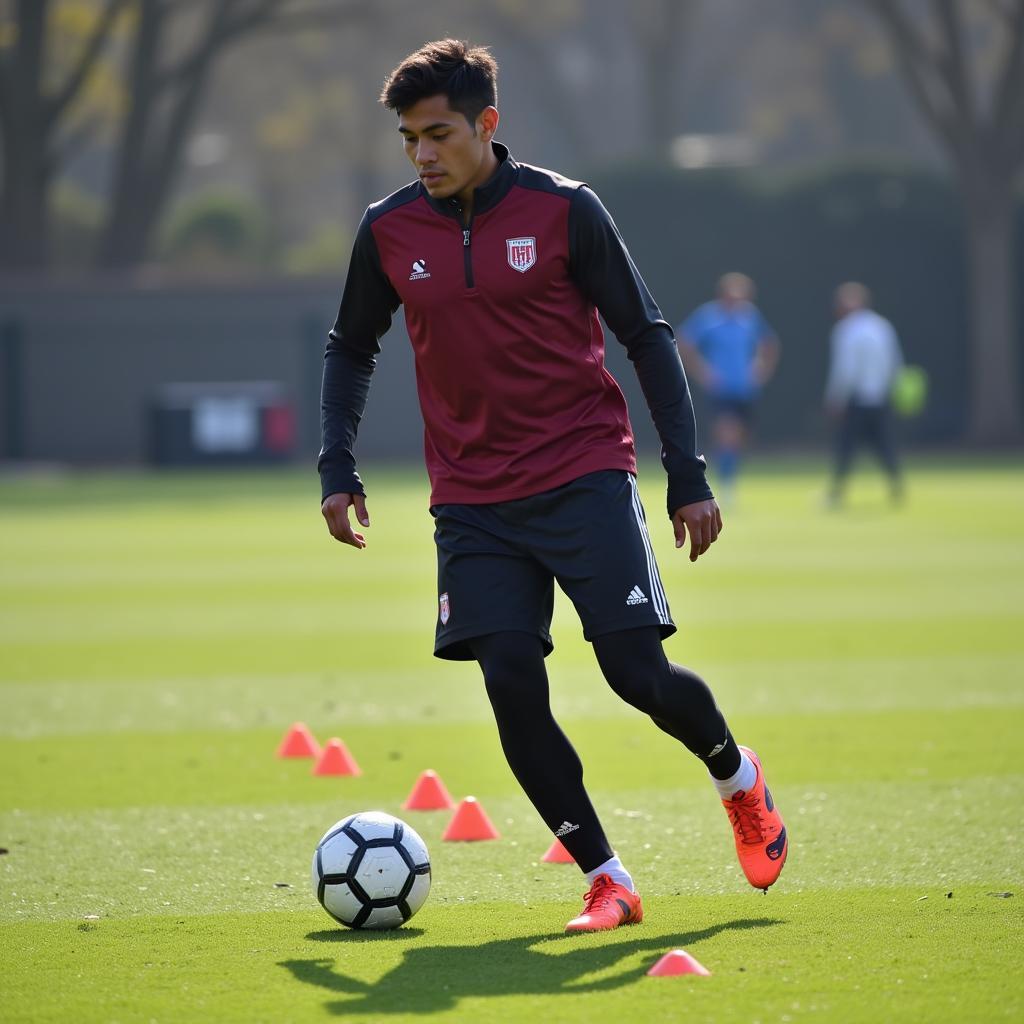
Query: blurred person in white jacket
(866, 358)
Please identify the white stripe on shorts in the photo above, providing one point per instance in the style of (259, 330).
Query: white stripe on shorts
(657, 590)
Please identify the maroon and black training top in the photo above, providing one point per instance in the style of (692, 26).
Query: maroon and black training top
(509, 350)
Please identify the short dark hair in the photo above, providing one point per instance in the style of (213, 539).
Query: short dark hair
(467, 75)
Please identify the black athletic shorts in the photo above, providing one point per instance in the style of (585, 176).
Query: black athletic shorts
(738, 408)
(497, 563)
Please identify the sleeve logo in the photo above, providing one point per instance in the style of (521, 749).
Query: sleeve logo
(522, 253)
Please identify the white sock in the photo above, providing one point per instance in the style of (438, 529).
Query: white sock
(614, 869)
(744, 778)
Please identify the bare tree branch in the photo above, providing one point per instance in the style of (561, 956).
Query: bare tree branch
(954, 63)
(1014, 150)
(269, 14)
(917, 65)
(5, 103)
(314, 16)
(658, 28)
(66, 93)
(213, 39)
(72, 142)
(1004, 10)
(1007, 122)
(987, 146)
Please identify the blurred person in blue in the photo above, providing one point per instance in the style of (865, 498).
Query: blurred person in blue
(732, 351)
(866, 359)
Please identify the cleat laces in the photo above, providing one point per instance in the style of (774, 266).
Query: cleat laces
(745, 815)
(597, 897)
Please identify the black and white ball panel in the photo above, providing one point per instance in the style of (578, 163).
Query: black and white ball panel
(371, 870)
(372, 825)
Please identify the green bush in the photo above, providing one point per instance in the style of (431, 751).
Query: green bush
(324, 251)
(75, 221)
(217, 230)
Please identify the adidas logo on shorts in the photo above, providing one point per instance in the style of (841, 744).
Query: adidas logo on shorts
(636, 596)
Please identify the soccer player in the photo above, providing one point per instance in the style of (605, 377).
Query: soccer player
(502, 268)
(729, 347)
(866, 357)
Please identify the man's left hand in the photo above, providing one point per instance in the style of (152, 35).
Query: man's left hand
(703, 520)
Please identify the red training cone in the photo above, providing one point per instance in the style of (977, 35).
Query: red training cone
(677, 961)
(470, 823)
(557, 854)
(428, 794)
(298, 742)
(336, 760)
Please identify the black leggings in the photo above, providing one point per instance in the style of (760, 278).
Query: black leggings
(541, 756)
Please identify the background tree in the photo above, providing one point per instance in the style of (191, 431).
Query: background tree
(39, 95)
(964, 65)
(658, 28)
(167, 82)
(171, 50)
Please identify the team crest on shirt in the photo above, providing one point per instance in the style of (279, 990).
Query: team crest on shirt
(445, 607)
(522, 253)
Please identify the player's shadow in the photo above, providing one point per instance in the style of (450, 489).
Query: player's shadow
(433, 978)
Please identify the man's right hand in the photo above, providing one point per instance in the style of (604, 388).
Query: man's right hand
(335, 511)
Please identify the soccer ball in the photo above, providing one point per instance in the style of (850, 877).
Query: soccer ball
(371, 870)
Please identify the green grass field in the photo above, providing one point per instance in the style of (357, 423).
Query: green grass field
(158, 634)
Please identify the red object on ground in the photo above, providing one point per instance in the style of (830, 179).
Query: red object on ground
(298, 742)
(429, 794)
(336, 760)
(677, 961)
(557, 854)
(470, 823)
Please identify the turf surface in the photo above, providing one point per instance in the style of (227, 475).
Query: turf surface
(157, 635)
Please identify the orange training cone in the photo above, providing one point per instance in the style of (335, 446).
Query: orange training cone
(336, 760)
(298, 742)
(557, 854)
(678, 961)
(428, 794)
(469, 823)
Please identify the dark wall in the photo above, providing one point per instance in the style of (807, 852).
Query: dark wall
(82, 362)
(92, 357)
(898, 231)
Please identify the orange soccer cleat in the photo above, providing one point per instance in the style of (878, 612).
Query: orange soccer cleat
(606, 906)
(761, 843)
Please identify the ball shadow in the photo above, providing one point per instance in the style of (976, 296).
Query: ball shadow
(367, 935)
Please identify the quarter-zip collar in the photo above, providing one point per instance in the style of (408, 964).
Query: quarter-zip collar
(487, 195)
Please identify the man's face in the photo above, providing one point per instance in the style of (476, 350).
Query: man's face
(451, 156)
(848, 300)
(734, 292)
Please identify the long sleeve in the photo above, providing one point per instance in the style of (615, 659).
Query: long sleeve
(866, 357)
(843, 368)
(367, 306)
(602, 268)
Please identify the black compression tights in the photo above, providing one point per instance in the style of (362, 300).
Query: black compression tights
(541, 756)
(678, 701)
